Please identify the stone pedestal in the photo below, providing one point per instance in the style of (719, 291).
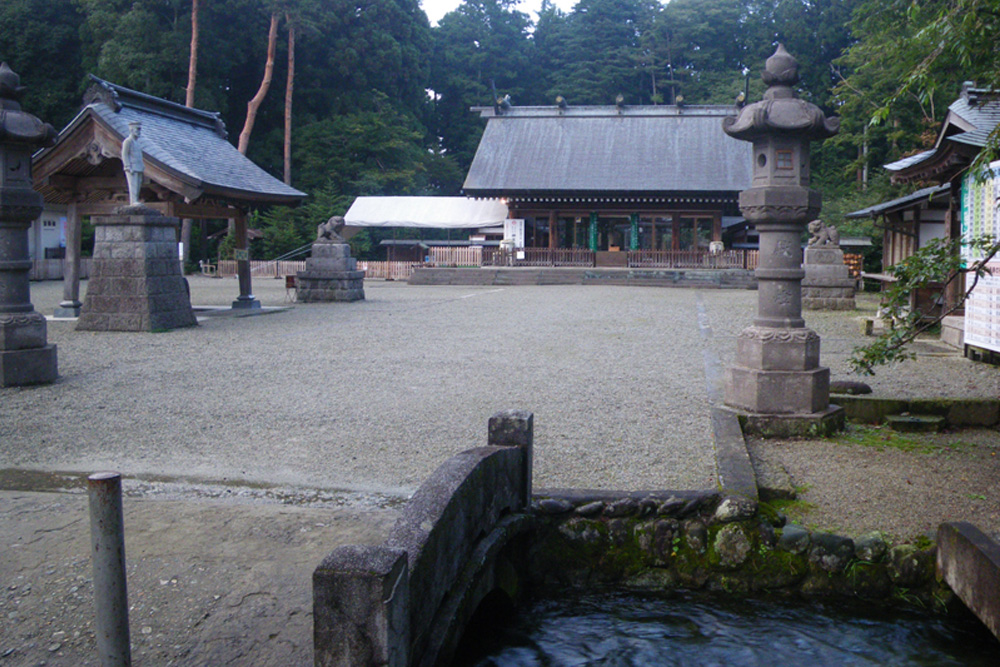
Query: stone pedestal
(331, 275)
(135, 276)
(827, 284)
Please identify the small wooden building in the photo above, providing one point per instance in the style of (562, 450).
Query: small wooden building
(611, 179)
(958, 206)
(191, 169)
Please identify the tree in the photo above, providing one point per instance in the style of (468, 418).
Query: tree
(40, 40)
(193, 57)
(938, 262)
(482, 44)
(265, 83)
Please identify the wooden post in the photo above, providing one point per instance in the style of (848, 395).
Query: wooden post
(246, 298)
(675, 236)
(70, 304)
(653, 240)
(717, 227)
(553, 231)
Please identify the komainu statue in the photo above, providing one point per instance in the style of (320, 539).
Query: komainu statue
(330, 230)
(823, 234)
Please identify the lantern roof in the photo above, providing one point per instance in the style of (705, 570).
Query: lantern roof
(781, 112)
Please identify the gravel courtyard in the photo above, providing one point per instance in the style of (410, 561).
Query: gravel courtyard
(371, 396)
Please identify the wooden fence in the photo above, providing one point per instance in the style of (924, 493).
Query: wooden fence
(538, 257)
(52, 269)
(693, 259)
(227, 268)
(388, 270)
(471, 256)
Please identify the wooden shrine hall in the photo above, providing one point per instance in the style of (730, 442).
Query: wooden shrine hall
(613, 180)
(191, 171)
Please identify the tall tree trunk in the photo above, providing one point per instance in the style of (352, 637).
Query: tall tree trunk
(289, 86)
(189, 102)
(193, 59)
(254, 104)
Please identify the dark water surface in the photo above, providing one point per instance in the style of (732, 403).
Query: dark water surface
(688, 629)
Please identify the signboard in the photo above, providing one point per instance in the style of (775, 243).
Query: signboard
(981, 217)
(513, 230)
(242, 254)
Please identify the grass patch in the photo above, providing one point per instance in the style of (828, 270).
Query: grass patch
(883, 437)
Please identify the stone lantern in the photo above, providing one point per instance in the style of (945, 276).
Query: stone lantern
(25, 356)
(777, 372)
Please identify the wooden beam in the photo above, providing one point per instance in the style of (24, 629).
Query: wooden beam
(204, 211)
(86, 184)
(109, 207)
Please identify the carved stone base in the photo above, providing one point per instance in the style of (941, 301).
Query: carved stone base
(827, 284)
(24, 367)
(135, 277)
(331, 275)
(778, 349)
(778, 392)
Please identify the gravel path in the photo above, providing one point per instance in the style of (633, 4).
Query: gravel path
(372, 396)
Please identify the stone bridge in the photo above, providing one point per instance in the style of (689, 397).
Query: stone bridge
(407, 601)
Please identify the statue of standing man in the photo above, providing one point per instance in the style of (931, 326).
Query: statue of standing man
(132, 162)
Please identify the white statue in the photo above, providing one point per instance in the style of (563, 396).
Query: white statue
(132, 162)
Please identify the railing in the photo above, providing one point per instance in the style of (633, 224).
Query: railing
(692, 259)
(472, 256)
(258, 267)
(639, 259)
(388, 270)
(538, 257)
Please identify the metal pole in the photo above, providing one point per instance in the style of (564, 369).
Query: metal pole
(107, 539)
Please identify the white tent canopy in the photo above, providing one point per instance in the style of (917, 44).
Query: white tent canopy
(430, 212)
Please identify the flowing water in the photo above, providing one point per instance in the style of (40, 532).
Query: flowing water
(685, 629)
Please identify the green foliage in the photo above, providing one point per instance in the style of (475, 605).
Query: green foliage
(40, 41)
(939, 262)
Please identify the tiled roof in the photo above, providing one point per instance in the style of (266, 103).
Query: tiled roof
(976, 107)
(909, 161)
(653, 149)
(902, 202)
(189, 142)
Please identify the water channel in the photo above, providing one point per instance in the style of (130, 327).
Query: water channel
(628, 629)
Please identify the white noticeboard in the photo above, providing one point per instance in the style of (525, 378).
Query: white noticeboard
(513, 230)
(981, 217)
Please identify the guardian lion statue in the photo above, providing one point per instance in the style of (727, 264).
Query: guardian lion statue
(823, 234)
(330, 230)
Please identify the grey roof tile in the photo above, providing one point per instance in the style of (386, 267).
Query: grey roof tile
(603, 149)
(190, 142)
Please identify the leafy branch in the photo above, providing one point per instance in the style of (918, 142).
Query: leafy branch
(938, 262)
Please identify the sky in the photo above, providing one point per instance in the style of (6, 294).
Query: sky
(435, 9)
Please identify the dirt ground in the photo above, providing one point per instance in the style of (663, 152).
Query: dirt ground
(871, 478)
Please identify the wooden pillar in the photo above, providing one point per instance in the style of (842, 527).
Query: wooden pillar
(553, 230)
(246, 298)
(675, 236)
(653, 239)
(694, 233)
(717, 227)
(70, 304)
(203, 239)
(953, 231)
